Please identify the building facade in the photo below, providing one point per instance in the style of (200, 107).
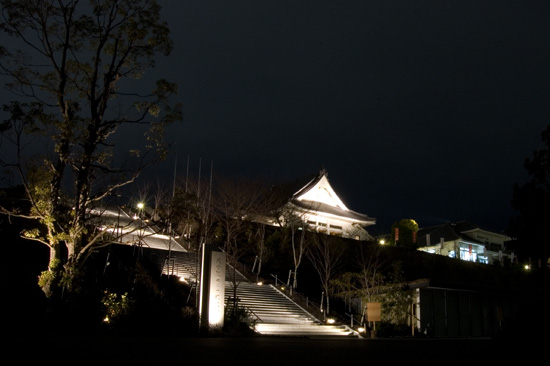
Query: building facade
(464, 240)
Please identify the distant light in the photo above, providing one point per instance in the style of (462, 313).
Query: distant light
(331, 321)
(106, 319)
(382, 242)
(140, 205)
(361, 330)
(260, 283)
(527, 267)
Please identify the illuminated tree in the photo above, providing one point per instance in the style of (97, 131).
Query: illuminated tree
(404, 233)
(73, 67)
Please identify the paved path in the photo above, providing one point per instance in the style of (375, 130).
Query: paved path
(276, 351)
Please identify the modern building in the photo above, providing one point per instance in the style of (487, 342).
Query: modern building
(317, 204)
(464, 240)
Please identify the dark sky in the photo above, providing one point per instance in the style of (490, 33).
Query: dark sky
(422, 109)
(417, 109)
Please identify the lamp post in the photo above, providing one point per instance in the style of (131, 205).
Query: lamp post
(140, 207)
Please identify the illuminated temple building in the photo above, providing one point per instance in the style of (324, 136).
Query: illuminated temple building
(317, 204)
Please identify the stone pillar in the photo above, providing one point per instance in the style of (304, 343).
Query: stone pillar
(212, 290)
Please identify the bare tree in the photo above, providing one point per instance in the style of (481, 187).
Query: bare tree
(191, 211)
(326, 253)
(365, 283)
(298, 230)
(260, 248)
(236, 203)
(377, 280)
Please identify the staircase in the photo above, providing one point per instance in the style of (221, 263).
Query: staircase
(277, 315)
(273, 312)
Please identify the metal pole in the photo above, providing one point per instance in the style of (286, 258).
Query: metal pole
(412, 318)
(254, 265)
(289, 275)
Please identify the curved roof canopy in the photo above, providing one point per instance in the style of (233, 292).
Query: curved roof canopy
(319, 196)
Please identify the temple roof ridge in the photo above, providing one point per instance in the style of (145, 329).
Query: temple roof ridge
(319, 190)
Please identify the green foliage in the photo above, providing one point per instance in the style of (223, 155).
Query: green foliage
(396, 298)
(50, 279)
(71, 278)
(116, 307)
(46, 280)
(378, 283)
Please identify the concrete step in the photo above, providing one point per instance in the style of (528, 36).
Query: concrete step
(280, 316)
(303, 330)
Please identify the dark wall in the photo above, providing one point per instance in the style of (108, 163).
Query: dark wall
(459, 313)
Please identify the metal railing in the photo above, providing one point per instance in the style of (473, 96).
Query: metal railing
(302, 300)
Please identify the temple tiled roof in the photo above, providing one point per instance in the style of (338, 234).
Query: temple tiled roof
(331, 210)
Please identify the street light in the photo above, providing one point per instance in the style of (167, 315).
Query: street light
(140, 207)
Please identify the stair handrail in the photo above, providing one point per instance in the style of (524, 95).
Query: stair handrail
(230, 300)
(253, 313)
(302, 301)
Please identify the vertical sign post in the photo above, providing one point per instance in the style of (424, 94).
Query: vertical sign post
(212, 290)
(374, 314)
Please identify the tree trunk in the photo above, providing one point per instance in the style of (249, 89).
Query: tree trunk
(49, 280)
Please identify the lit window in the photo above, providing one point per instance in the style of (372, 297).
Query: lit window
(467, 255)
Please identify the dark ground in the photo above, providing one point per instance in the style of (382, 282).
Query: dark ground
(272, 351)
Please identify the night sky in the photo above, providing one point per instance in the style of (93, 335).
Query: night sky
(418, 109)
